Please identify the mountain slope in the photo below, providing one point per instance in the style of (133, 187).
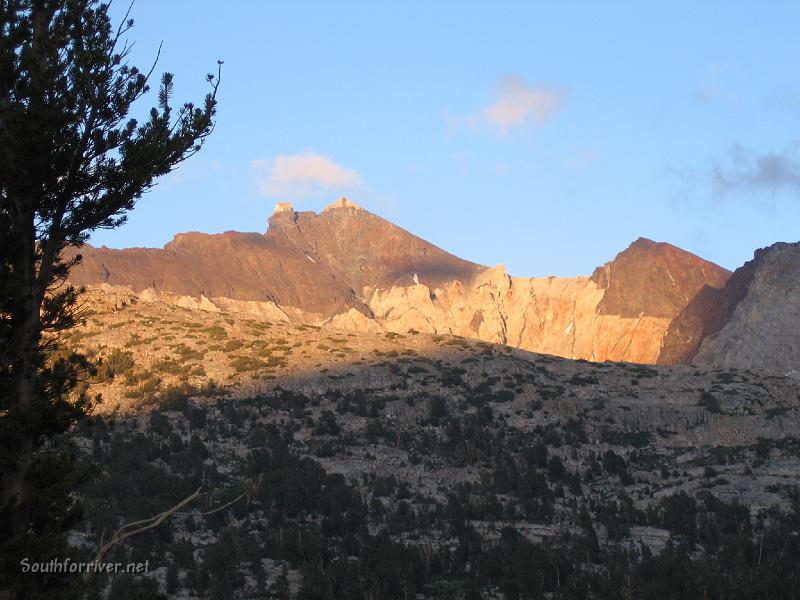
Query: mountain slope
(315, 263)
(383, 452)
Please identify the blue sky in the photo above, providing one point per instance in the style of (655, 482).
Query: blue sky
(543, 136)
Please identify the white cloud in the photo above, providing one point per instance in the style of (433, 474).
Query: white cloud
(306, 174)
(517, 104)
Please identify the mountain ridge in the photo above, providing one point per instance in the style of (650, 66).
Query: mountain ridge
(356, 270)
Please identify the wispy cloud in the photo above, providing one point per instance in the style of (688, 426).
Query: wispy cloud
(786, 100)
(298, 175)
(500, 168)
(516, 105)
(750, 170)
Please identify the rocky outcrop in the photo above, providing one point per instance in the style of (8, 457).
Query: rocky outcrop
(350, 269)
(762, 330)
(119, 297)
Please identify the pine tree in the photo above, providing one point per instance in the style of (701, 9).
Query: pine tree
(71, 161)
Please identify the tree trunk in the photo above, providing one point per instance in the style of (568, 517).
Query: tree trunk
(24, 344)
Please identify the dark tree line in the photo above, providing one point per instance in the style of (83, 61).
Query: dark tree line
(380, 537)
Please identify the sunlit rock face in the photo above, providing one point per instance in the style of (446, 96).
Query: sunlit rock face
(620, 313)
(351, 269)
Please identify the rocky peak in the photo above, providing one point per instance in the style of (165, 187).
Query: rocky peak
(366, 250)
(283, 207)
(655, 279)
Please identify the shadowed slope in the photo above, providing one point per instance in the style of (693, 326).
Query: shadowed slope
(753, 322)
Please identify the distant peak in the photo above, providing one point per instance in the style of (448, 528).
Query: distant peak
(342, 203)
(654, 279)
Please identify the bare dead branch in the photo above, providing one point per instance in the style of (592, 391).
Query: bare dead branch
(127, 530)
